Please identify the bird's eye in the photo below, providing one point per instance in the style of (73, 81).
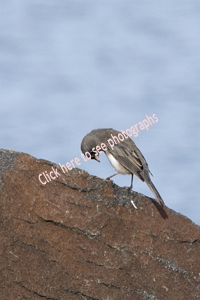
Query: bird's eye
(92, 155)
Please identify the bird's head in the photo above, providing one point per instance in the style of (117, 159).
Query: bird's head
(88, 145)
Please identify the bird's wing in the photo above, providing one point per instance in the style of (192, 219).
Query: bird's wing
(130, 159)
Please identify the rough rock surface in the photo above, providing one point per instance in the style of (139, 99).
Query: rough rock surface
(78, 237)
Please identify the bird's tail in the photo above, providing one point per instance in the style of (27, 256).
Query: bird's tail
(155, 192)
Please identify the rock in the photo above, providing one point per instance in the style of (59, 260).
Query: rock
(79, 237)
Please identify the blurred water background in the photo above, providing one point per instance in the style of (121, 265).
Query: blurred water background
(70, 66)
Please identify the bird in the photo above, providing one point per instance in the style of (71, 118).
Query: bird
(122, 153)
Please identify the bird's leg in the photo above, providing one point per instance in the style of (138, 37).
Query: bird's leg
(130, 190)
(111, 176)
(131, 182)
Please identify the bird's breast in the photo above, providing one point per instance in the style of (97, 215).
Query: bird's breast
(116, 165)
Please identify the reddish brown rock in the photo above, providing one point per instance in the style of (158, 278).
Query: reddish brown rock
(78, 237)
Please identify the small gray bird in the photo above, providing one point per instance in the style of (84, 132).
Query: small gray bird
(122, 153)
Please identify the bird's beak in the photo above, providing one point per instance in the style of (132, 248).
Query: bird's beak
(97, 158)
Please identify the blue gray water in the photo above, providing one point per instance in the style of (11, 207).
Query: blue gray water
(67, 67)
